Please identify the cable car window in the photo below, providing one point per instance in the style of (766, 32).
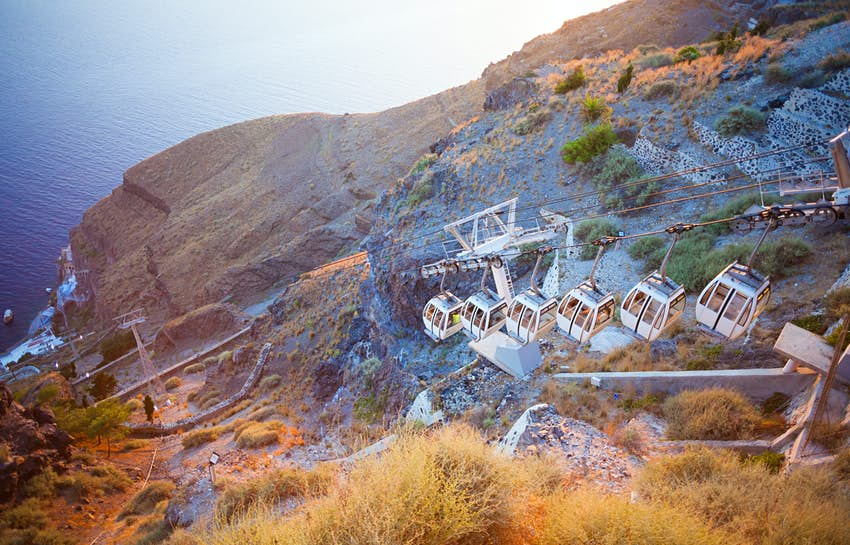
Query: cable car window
(650, 312)
(583, 314)
(568, 306)
(478, 319)
(678, 305)
(454, 317)
(468, 310)
(636, 302)
(719, 296)
(548, 315)
(745, 315)
(605, 312)
(438, 317)
(429, 312)
(704, 299)
(516, 311)
(526, 317)
(497, 315)
(763, 297)
(659, 319)
(734, 307)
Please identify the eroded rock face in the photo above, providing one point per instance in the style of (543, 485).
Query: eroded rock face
(32, 440)
(515, 91)
(209, 321)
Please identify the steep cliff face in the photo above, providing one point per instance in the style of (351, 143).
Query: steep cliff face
(235, 210)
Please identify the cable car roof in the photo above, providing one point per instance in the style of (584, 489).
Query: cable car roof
(657, 288)
(585, 293)
(485, 299)
(743, 276)
(534, 300)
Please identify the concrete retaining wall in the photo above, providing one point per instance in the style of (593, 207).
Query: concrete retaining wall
(154, 430)
(758, 384)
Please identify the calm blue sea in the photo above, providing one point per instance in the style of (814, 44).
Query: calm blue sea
(89, 88)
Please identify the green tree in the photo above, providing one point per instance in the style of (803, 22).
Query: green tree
(148, 402)
(103, 386)
(625, 79)
(571, 82)
(595, 141)
(106, 420)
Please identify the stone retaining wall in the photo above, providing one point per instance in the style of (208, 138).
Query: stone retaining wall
(153, 430)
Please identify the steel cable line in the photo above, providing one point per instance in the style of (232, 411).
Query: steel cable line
(643, 181)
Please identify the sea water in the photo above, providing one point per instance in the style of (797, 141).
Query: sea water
(89, 88)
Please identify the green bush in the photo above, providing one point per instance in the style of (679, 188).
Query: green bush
(423, 163)
(662, 89)
(103, 385)
(572, 82)
(590, 230)
(734, 207)
(96, 481)
(775, 257)
(133, 405)
(594, 108)
(595, 141)
(835, 62)
(657, 60)
(275, 486)
(625, 78)
(776, 73)
(201, 436)
(827, 20)
(532, 121)
(172, 383)
(687, 54)
(837, 303)
(712, 414)
(422, 191)
(740, 119)
(194, 368)
(116, 345)
(611, 173)
(144, 502)
(644, 246)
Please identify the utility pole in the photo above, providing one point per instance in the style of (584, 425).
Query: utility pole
(129, 321)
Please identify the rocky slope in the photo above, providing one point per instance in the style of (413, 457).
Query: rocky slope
(234, 211)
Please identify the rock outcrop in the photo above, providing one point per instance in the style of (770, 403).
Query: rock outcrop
(30, 442)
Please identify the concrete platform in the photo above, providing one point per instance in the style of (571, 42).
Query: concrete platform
(510, 356)
(758, 384)
(810, 350)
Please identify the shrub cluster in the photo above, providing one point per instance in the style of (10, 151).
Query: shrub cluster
(595, 141)
(594, 108)
(656, 60)
(572, 82)
(740, 119)
(116, 345)
(645, 246)
(144, 502)
(836, 61)
(257, 434)
(776, 73)
(712, 414)
(590, 230)
(662, 89)
(532, 121)
(202, 436)
(687, 54)
(172, 383)
(194, 368)
(612, 172)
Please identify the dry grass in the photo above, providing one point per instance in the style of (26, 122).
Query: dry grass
(450, 488)
(712, 414)
(202, 436)
(144, 502)
(810, 505)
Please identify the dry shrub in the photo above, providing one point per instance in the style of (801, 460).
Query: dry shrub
(588, 518)
(194, 368)
(172, 383)
(810, 505)
(202, 436)
(277, 485)
(448, 487)
(95, 481)
(574, 401)
(711, 414)
(144, 502)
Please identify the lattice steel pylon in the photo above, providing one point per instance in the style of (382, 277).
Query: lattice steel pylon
(129, 321)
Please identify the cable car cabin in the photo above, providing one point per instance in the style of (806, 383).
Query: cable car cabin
(584, 311)
(530, 316)
(652, 306)
(441, 316)
(483, 314)
(732, 301)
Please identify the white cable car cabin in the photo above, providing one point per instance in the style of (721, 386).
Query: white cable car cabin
(652, 306)
(656, 302)
(441, 316)
(483, 314)
(732, 301)
(586, 310)
(531, 314)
